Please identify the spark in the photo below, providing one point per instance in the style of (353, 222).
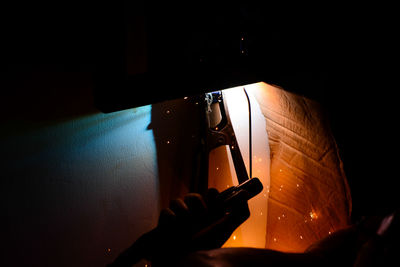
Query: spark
(313, 215)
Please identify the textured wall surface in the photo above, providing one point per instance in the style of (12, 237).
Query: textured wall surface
(76, 188)
(79, 186)
(309, 194)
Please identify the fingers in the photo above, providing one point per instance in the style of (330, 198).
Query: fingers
(196, 205)
(213, 202)
(237, 198)
(211, 196)
(179, 207)
(239, 214)
(205, 223)
(216, 234)
(167, 217)
(191, 208)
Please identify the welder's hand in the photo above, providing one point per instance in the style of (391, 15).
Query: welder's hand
(196, 223)
(192, 224)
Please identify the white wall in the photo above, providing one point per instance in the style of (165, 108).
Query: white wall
(79, 186)
(76, 189)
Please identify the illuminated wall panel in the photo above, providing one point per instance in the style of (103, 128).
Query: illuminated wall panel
(306, 196)
(251, 233)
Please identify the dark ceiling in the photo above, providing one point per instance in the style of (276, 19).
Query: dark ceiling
(144, 52)
(138, 47)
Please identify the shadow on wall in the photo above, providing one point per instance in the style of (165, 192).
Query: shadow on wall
(177, 128)
(77, 186)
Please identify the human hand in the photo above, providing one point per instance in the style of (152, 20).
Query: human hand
(190, 224)
(196, 223)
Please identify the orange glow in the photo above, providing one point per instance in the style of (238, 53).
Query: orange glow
(252, 232)
(296, 158)
(305, 169)
(313, 215)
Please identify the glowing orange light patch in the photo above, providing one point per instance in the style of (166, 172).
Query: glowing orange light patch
(313, 215)
(297, 164)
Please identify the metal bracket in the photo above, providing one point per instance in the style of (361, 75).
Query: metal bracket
(222, 133)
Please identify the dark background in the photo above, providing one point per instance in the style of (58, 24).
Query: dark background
(345, 57)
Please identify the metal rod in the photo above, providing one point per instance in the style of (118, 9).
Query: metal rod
(250, 136)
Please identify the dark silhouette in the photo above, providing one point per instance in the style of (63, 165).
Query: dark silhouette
(191, 232)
